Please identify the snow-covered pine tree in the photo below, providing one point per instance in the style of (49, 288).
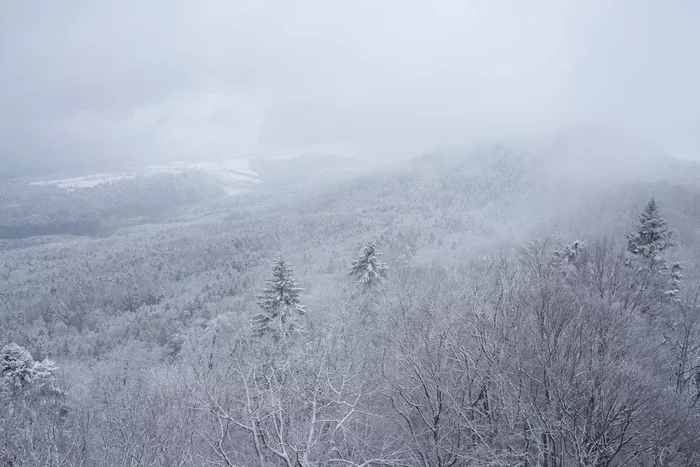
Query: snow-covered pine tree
(280, 304)
(368, 270)
(652, 236)
(62, 313)
(18, 369)
(16, 365)
(654, 282)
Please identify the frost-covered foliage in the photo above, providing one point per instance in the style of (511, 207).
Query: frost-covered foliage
(280, 304)
(569, 254)
(132, 300)
(559, 354)
(650, 246)
(29, 210)
(32, 411)
(18, 370)
(676, 280)
(368, 270)
(652, 236)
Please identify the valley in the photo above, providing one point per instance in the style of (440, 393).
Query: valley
(460, 233)
(471, 242)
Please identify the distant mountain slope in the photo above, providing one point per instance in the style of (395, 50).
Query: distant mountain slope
(233, 175)
(304, 169)
(98, 204)
(579, 183)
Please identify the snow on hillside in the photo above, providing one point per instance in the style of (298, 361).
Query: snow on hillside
(86, 181)
(229, 172)
(225, 169)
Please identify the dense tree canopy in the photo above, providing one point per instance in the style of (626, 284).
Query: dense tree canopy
(496, 340)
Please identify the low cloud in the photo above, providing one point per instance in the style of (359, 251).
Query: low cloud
(89, 80)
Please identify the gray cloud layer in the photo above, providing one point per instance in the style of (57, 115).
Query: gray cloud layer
(388, 78)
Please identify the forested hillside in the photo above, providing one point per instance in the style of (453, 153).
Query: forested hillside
(464, 308)
(28, 210)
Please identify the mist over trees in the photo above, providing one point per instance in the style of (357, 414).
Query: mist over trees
(195, 344)
(359, 233)
(30, 210)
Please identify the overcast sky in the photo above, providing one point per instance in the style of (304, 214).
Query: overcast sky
(379, 78)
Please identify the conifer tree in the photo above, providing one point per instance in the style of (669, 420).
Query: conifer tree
(655, 281)
(280, 304)
(368, 270)
(652, 236)
(18, 369)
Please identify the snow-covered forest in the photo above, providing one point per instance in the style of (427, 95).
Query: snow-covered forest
(444, 311)
(355, 233)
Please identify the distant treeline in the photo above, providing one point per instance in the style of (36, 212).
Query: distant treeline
(31, 210)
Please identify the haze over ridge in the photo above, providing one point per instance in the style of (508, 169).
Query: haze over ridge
(136, 80)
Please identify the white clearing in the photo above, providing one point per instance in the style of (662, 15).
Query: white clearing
(223, 169)
(230, 172)
(86, 181)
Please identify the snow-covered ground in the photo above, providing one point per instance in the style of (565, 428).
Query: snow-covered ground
(224, 169)
(227, 171)
(85, 181)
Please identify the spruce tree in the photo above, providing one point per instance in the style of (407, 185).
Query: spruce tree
(368, 270)
(652, 236)
(654, 281)
(280, 304)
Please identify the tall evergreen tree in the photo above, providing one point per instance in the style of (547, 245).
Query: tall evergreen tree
(654, 282)
(368, 270)
(652, 236)
(280, 303)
